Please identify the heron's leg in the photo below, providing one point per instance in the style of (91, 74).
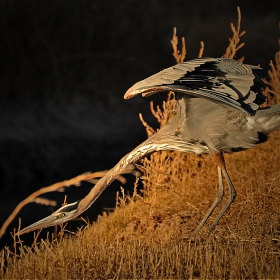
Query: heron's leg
(232, 195)
(218, 199)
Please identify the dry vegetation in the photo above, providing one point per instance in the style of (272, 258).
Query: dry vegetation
(147, 234)
(59, 187)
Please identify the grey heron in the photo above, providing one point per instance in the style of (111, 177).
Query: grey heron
(218, 112)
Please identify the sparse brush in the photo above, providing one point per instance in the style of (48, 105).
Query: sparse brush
(181, 55)
(178, 55)
(234, 41)
(273, 90)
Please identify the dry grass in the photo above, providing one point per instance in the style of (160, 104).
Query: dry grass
(146, 235)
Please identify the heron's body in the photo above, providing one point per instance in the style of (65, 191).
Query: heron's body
(218, 103)
(218, 111)
(203, 126)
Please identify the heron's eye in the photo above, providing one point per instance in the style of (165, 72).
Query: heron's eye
(61, 215)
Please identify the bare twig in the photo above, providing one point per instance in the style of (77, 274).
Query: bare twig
(178, 55)
(55, 187)
(234, 41)
(150, 131)
(273, 82)
(201, 50)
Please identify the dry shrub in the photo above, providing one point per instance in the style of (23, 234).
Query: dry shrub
(187, 183)
(273, 90)
(144, 236)
(179, 179)
(234, 41)
(177, 54)
(180, 55)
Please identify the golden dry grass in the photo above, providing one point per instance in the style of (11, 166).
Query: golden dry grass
(146, 237)
(147, 234)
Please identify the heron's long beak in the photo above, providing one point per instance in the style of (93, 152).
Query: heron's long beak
(46, 222)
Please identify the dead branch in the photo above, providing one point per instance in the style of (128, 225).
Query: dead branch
(201, 50)
(273, 81)
(234, 41)
(55, 187)
(178, 55)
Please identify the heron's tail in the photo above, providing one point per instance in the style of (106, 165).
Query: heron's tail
(268, 118)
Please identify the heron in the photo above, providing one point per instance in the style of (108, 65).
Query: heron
(218, 112)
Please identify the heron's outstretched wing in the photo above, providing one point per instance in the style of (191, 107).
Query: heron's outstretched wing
(221, 80)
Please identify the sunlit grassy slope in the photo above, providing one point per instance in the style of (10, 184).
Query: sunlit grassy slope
(147, 234)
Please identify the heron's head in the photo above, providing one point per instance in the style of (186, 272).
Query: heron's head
(62, 215)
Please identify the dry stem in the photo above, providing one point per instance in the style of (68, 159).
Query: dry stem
(234, 41)
(55, 187)
(273, 90)
(178, 55)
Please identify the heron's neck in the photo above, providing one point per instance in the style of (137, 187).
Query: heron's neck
(125, 165)
(169, 137)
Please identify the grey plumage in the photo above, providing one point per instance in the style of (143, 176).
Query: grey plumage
(218, 111)
(221, 80)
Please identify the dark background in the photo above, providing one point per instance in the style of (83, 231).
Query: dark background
(65, 66)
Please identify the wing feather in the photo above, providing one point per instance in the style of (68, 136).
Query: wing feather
(221, 80)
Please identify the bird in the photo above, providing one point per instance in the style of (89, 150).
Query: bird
(221, 109)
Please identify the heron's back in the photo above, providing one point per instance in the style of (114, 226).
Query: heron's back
(219, 104)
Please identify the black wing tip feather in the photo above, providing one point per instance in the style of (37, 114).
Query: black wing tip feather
(222, 80)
